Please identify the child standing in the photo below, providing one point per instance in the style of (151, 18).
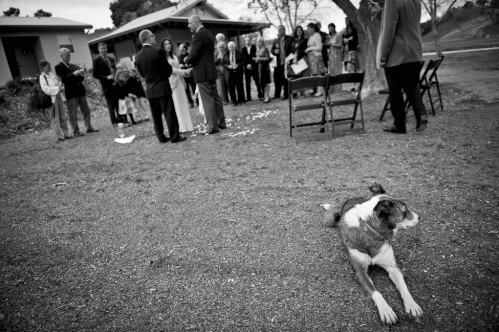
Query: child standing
(121, 94)
(138, 95)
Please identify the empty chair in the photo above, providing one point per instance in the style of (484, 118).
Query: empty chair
(335, 100)
(298, 85)
(428, 81)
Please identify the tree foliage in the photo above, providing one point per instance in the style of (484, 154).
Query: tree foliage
(289, 13)
(12, 11)
(124, 11)
(42, 13)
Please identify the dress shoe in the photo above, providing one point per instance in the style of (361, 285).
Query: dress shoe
(423, 124)
(181, 139)
(164, 140)
(222, 127)
(394, 130)
(68, 137)
(92, 130)
(211, 132)
(77, 134)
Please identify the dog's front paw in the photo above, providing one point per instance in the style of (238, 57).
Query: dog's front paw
(413, 309)
(385, 311)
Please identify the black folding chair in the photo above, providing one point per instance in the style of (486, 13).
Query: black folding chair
(296, 85)
(357, 79)
(427, 82)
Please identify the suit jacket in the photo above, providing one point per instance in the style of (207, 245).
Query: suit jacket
(101, 71)
(152, 64)
(400, 36)
(288, 48)
(202, 57)
(73, 84)
(248, 57)
(226, 62)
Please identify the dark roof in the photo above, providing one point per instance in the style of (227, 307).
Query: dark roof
(10, 23)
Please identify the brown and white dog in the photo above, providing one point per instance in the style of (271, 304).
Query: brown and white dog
(366, 228)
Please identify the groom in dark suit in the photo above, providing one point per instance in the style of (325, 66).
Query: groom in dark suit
(104, 68)
(152, 64)
(202, 59)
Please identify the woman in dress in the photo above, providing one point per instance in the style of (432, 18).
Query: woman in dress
(335, 44)
(314, 52)
(52, 86)
(298, 48)
(263, 60)
(178, 88)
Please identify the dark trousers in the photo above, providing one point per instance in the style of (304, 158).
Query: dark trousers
(112, 107)
(235, 83)
(190, 85)
(248, 74)
(213, 108)
(405, 77)
(280, 82)
(73, 104)
(164, 106)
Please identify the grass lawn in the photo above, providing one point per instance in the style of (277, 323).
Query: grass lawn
(225, 232)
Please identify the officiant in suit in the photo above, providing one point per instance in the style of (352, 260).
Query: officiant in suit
(152, 64)
(250, 68)
(104, 68)
(202, 59)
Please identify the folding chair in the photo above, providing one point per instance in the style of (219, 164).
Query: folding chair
(351, 78)
(295, 85)
(387, 106)
(426, 82)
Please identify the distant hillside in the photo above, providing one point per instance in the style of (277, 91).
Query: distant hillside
(464, 28)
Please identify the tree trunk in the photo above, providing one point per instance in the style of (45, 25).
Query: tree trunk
(368, 30)
(436, 37)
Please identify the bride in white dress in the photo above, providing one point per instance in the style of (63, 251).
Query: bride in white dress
(177, 84)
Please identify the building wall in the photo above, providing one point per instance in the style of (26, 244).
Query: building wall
(46, 47)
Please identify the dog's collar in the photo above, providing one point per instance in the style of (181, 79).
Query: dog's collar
(369, 229)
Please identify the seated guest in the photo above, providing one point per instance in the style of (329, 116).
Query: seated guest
(72, 77)
(233, 63)
(51, 85)
(250, 68)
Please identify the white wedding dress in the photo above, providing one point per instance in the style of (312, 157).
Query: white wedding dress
(179, 97)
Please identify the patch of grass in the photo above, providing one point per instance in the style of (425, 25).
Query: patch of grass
(225, 232)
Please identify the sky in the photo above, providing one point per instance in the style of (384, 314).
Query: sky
(97, 13)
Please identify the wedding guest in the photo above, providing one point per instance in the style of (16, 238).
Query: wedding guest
(135, 88)
(351, 42)
(234, 63)
(51, 85)
(178, 88)
(72, 77)
(314, 52)
(400, 53)
(324, 37)
(281, 48)
(298, 49)
(190, 86)
(205, 74)
(221, 80)
(104, 68)
(122, 93)
(335, 52)
(263, 60)
(250, 68)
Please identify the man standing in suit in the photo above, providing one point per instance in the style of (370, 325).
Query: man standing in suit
(205, 74)
(400, 53)
(281, 48)
(250, 68)
(189, 81)
(152, 64)
(72, 77)
(104, 68)
(234, 62)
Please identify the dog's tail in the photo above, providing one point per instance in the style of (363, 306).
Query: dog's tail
(332, 215)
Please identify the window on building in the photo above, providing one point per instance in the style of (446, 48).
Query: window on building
(66, 42)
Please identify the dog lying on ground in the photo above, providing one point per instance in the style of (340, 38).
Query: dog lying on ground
(366, 228)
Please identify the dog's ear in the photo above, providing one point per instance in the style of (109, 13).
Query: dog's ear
(377, 189)
(384, 210)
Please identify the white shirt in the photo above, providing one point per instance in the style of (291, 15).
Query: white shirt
(50, 85)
